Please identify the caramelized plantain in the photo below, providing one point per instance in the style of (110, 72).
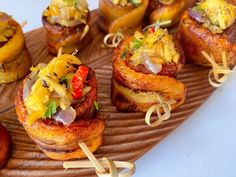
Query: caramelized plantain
(196, 38)
(114, 17)
(136, 90)
(159, 11)
(61, 142)
(15, 59)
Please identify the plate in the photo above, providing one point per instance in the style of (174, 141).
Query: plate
(126, 135)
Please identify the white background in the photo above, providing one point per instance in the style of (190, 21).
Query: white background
(204, 146)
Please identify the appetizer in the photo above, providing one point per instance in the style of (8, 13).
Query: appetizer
(125, 15)
(4, 146)
(15, 59)
(165, 10)
(120, 17)
(57, 106)
(66, 25)
(209, 27)
(144, 71)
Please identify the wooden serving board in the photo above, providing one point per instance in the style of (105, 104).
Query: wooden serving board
(126, 136)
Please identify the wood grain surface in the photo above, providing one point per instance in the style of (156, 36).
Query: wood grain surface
(126, 136)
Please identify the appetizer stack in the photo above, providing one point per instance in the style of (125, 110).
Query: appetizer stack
(15, 60)
(144, 71)
(165, 10)
(66, 25)
(57, 106)
(123, 15)
(209, 26)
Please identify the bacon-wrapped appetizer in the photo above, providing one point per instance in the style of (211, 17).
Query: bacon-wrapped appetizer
(15, 60)
(165, 10)
(4, 145)
(123, 15)
(57, 106)
(209, 27)
(66, 24)
(143, 70)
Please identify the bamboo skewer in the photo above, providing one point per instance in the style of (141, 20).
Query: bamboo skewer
(104, 162)
(92, 158)
(101, 165)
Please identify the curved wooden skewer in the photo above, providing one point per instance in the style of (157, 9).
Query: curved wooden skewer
(116, 38)
(219, 73)
(23, 23)
(162, 104)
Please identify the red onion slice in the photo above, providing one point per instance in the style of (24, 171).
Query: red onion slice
(66, 116)
(28, 84)
(196, 15)
(153, 68)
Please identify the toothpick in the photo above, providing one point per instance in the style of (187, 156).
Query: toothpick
(59, 51)
(23, 24)
(92, 158)
(100, 165)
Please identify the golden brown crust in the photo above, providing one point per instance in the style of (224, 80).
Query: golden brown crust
(15, 59)
(125, 103)
(15, 45)
(195, 38)
(93, 145)
(161, 12)
(116, 17)
(61, 142)
(4, 146)
(69, 38)
(15, 69)
(108, 12)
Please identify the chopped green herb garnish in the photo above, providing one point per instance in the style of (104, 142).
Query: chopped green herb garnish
(51, 109)
(96, 105)
(63, 80)
(136, 44)
(66, 79)
(75, 3)
(124, 54)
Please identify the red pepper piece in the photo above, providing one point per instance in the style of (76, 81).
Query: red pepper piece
(152, 30)
(78, 81)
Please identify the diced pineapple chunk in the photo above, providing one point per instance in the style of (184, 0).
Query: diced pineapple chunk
(47, 83)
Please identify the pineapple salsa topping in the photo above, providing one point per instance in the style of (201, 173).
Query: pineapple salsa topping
(54, 88)
(126, 2)
(67, 12)
(216, 15)
(153, 48)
